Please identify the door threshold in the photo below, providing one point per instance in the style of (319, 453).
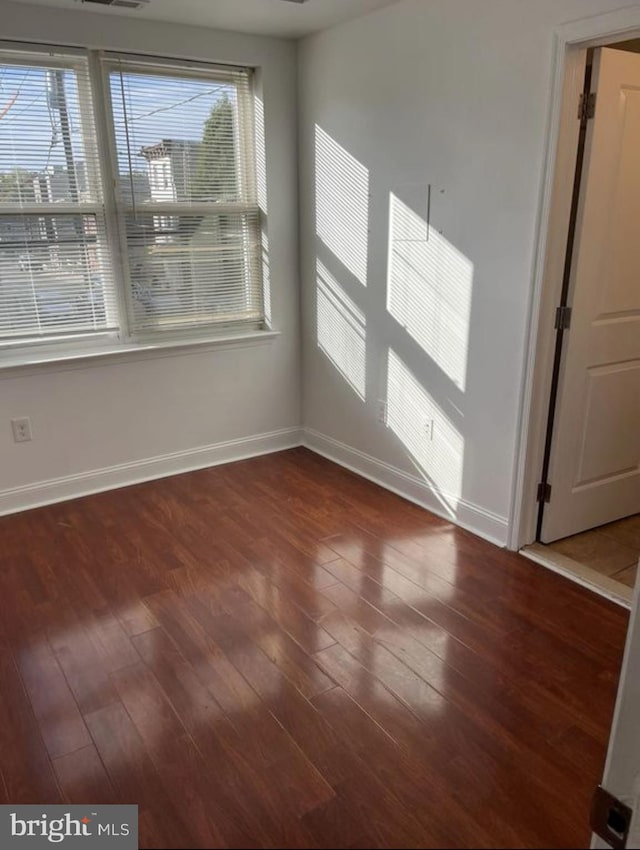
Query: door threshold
(613, 590)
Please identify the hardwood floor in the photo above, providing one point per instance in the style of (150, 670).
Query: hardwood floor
(278, 653)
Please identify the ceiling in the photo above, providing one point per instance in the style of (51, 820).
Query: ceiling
(263, 17)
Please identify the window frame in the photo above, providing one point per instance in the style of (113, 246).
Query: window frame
(76, 60)
(113, 210)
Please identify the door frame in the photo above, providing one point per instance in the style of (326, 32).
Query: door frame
(570, 44)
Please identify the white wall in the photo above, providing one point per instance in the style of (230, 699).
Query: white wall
(96, 417)
(452, 93)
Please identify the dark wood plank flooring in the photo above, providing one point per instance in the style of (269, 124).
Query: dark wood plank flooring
(278, 653)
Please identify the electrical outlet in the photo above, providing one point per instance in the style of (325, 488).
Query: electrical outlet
(428, 428)
(382, 412)
(21, 429)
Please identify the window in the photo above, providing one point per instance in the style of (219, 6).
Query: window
(128, 206)
(55, 271)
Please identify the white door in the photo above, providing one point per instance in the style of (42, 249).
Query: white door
(595, 458)
(622, 770)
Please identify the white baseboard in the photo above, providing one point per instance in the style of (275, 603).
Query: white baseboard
(97, 480)
(487, 525)
(479, 521)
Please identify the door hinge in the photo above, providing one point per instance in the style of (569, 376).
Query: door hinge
(563, 318)
(544, 492)
(587, 107)
(610, 818)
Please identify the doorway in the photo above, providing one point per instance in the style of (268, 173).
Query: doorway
(572, 42)
(585, 518)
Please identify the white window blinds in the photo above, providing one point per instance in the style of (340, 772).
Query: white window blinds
(186, 195)
(55, 270)
(128, 205)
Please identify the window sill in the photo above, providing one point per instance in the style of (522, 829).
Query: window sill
(24, 363)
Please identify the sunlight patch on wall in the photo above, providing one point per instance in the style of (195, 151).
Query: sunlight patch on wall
(261, 154)
(434, 444)
(342, 204)
(261, 191)
(341, 330)
(266, 276)
(429, 290)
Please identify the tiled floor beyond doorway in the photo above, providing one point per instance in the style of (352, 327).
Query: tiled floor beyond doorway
(604, 559)
(612, 550)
